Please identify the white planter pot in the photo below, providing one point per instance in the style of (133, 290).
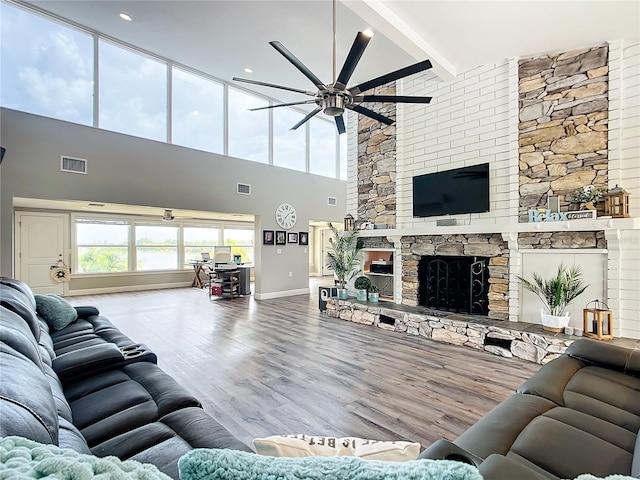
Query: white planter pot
(342, 293)
(361, 295)
(554, 323)
(374, 296)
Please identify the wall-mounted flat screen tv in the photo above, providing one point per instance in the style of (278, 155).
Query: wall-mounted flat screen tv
(462, 190)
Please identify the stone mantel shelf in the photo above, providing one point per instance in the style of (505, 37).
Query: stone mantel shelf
(610, 224)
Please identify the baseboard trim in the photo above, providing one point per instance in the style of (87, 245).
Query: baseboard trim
(126, 288)
(284, 293)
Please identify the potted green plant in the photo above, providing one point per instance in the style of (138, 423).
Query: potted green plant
(344, 257)
(556, 294)
(362, 285)
(374, 293)
(587, 197)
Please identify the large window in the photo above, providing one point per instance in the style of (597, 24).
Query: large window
(322, 147)
(47, 67)
(103, 245)
(289, 146)
(133, 93)
(248, 131)
(198, 240)
(197, 112)
(156, 247)
(241, 242)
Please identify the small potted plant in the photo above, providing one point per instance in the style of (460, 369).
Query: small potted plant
(362, 285)
(344, 257)
(587, 197)
(374, 293)
(556, 294)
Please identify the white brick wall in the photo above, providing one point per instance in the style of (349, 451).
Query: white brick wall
(471, 120)
(624, 169)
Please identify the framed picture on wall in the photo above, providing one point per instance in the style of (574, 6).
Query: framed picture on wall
(292, 238)
(268, 237)
(281, 237)
(303, 238)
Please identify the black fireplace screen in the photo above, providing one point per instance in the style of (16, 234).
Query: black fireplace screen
(454, 284)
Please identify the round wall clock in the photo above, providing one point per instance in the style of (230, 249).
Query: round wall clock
(286, 216)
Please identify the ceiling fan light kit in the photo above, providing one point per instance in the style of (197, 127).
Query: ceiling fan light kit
(334, 98)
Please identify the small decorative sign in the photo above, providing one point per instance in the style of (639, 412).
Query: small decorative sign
(537, 216)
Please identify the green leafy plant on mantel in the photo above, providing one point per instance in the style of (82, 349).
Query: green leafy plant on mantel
(557, 292)
(362, 283)
(588, 193)
(344, 255)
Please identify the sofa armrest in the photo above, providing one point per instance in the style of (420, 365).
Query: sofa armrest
(86, 311)
(87, 360)
(606, 355)
(499, 467)
(445, 450)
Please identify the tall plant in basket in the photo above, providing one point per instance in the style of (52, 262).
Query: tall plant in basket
(344, 257)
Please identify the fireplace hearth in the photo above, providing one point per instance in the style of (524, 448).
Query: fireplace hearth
(454, 284)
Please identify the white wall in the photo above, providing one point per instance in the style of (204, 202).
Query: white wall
(470, 120)
(130, 170)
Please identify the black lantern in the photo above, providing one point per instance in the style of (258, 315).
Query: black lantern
(349, 223)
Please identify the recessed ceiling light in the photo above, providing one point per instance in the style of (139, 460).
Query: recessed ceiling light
(126, 16)
(195, 112)
(368, 32)
(248, 69)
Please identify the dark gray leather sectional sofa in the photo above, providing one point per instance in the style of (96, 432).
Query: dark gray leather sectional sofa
(90, 388)
(580, 413)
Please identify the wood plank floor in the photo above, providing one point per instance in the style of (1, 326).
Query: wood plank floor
(280, 366)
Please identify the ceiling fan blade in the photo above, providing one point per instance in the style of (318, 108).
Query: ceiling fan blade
(371, 114)
(391, 99)
(340, 124)
(307, 118)
(304, 102)
(281, 87)
(357, 49)
(298, 64)
(390, 77)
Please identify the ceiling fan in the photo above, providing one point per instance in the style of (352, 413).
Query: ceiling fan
(332, 99)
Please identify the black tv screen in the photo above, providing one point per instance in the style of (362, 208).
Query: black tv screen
(462, 190)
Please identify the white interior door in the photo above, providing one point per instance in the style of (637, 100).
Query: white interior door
(41, 243)
(325, 245)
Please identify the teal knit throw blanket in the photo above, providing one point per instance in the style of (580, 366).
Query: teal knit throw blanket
(201, 464)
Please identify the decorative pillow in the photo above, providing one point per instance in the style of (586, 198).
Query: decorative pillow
(21, 458)
(56, 311)
(309, 446)
(203, 464)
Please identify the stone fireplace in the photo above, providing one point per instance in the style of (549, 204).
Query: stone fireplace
(454, 284)
(465, 273)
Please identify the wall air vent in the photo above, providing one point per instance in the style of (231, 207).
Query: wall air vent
(244, 189)
(332, 201)
(73, 165)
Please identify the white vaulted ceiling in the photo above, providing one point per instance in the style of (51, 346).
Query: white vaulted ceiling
(222, 37)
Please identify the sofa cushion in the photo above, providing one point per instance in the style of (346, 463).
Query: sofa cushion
(56, 311)
(635, 463)
(207, 464)
(111, 403)
(27, 407)
(15, 301)
(498, 429)
(165, 441)
(21, 287)
(15, 333)
(567, 451)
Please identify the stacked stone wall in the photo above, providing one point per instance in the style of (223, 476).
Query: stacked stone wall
(377, 164)
(457, 330)
(563, 130)
(550, 240)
